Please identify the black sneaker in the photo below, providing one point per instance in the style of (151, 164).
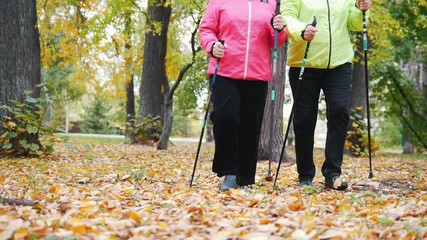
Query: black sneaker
(305, 183)
(336, 183)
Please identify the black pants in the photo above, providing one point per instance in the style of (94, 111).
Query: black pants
(335, 84)
(237, 119)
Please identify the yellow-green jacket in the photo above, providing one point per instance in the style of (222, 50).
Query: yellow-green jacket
(331, 46)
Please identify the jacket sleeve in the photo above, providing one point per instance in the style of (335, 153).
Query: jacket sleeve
(208, 30)
(355, 19)
(294, 27)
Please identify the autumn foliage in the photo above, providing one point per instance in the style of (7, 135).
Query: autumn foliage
(121, 191)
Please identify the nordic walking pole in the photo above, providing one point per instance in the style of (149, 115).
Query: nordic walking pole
(273, 94)
(365, 52)
(293, 105)
(206, 116)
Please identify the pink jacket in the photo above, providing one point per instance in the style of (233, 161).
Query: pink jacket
(245, 27)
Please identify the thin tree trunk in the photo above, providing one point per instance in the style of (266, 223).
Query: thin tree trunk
(168, 110)
(130, 95)
(130, 105)
(168, 120)
(19, 50)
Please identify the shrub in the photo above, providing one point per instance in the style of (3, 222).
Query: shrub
(22, 130)
(357, 139)
(95, 119)
(145, 130)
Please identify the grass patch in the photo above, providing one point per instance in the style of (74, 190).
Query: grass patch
(91, 139)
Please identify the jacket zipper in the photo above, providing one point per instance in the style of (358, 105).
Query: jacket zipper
(330, 35)
(248, 40)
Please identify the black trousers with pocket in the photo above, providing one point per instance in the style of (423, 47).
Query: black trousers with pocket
(335, 84)
(237, 118)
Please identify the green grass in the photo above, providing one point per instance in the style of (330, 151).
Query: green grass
(70, 139)
(399, 155)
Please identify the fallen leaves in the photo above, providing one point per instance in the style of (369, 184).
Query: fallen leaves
(136, 192)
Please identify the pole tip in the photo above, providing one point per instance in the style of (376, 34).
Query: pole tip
(371, 175)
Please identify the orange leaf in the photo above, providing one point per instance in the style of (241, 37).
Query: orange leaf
(253, 203)
(134, 216)
(79, 229)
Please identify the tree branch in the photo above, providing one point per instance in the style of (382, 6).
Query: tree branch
(405, 97)
(14, 201)
(408, 124)
(136, 5)
(194, 51)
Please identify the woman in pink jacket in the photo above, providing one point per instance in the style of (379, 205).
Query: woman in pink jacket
(239, 92)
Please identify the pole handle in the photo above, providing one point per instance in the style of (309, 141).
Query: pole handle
(216, 67)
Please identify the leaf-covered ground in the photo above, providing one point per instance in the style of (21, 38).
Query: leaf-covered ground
(121, 191)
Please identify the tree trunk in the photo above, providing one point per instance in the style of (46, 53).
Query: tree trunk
(277, 138)
(154, 67)
(168, 121)
(130, 95)
(358, 93)
(130, 104)
(408, 147)
(19, 50)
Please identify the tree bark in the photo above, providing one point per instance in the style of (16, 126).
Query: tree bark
(168, 121)
(358, 93)
(130, 104)
(130, 95)
(19, 50)
(277, 138)
(154, 67)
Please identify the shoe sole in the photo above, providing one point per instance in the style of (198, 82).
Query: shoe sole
(337, 183)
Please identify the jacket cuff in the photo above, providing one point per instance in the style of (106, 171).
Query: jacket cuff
(211, 51)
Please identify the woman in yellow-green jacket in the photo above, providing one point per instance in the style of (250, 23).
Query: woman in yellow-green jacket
(328, 68)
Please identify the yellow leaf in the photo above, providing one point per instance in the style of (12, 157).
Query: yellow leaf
(163, 225)
(75, 221)
(149, 208)
(21, 233)
(134, 216)
(11, 125)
